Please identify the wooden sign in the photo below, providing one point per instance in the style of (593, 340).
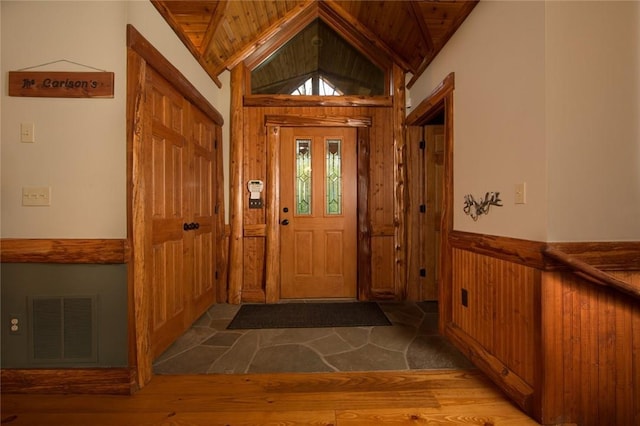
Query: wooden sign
(61, 84)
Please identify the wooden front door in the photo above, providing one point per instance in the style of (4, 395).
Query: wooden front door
(318, 180)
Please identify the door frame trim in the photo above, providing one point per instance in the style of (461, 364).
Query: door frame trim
(273, 123)
(441, 99)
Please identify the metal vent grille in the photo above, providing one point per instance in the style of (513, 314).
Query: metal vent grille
(64, 329)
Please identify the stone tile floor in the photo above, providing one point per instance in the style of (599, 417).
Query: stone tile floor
(410, 343)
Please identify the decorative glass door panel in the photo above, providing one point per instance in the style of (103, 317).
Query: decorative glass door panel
(303, 176)
(333, 176)
(318, 181)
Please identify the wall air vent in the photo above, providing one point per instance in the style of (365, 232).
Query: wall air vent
(64, 329)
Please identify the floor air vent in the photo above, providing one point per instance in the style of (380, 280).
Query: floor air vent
(64, 329)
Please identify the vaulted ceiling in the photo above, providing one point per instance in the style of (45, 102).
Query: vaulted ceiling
(221, 34)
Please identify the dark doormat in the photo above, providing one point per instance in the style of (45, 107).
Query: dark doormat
(309, 315)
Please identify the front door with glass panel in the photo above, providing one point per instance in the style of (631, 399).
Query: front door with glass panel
(318, 181)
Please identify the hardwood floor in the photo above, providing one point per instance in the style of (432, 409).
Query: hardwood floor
(358, 398)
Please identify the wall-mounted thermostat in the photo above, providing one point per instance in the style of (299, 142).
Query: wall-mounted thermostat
(255, 189)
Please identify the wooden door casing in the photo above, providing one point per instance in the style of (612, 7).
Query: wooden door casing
(318, 250)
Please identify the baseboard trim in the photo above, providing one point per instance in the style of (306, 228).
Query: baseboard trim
(97, 381)
(516, 388)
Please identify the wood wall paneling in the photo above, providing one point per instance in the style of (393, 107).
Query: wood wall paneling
(381, 205)
(590, 355)
(254, 167)
(565, 350)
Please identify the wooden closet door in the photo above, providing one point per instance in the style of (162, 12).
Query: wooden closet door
(166, 160)
(202, 193)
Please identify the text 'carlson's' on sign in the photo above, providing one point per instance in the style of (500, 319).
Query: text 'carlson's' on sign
(61, 84)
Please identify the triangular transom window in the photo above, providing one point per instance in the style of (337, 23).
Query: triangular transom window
(318, 61)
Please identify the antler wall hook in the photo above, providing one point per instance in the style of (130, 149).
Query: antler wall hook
(475, 208)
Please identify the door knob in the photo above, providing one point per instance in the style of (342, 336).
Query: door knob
(190, 226)
(285, 222)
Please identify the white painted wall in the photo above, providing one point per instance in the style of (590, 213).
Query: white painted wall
(80, 148)
(80, 143)
(498, 59)
(547, 93)
(593, 120)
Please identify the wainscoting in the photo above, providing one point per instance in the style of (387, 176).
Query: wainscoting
(53, 272)
(564, 349)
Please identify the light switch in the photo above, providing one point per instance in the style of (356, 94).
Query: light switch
(36, 196)
(27, 132)
(521, 193)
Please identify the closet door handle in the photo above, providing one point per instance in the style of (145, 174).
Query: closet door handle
(186, 227)
(190, 226)
(285, 222)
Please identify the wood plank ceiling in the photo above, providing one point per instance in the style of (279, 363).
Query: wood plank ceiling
(221, 34)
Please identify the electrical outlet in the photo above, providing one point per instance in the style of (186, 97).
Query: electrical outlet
(464, 297)
(15, 324)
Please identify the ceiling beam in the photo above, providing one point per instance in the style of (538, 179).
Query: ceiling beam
(462, 15)
(214, 23)
(168, 16)
(359, 35)
(285, 27)
(422, 24)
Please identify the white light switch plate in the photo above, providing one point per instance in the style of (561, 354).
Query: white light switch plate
(36, 196)
(27, 132)
(521, 193)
